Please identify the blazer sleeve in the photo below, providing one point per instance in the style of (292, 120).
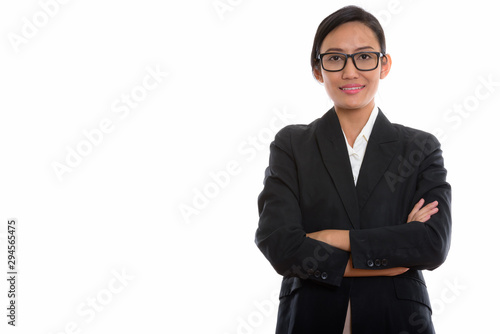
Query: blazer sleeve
(415, 245)
(280, 235)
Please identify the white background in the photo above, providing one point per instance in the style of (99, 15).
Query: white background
(229, 73)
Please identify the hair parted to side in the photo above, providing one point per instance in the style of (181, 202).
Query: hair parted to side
(341, 16)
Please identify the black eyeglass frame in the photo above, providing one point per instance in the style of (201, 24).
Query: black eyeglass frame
(347, 56)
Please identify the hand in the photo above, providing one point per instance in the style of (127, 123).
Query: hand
(322, 235)
(422, 214)
(352, 272)
(335, 238)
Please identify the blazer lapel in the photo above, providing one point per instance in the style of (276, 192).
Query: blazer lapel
(331, 143)
(381, 149)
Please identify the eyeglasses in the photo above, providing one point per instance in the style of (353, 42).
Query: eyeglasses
(363, 61)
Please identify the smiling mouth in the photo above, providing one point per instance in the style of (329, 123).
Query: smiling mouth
(353, 88)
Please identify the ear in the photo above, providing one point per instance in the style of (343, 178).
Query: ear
(317, 74)
(386, 63)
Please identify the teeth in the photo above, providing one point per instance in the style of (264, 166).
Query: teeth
(352, 88)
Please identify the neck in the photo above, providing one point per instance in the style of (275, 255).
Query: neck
(352, 121)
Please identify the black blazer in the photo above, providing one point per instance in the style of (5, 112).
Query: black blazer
(309, 186)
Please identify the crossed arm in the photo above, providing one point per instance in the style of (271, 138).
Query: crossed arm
(422, 244)
(340, 239)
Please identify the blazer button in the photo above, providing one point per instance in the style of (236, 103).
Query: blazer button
(317, 274)
(377, 262)
(369, 263)
(384, 262)
(324, 275)
(310, 271)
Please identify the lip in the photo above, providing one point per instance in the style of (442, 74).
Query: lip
(352, 88)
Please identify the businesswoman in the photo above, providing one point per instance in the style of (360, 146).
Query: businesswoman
(353, 206)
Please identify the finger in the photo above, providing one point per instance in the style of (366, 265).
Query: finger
(418, 205)
(426, 214)
(416, 208)
(423, 218)
(427, 209)
(431, 205)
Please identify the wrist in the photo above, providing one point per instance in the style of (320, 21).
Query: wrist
(340, 239)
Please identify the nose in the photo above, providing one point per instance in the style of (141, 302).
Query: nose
(350, 71)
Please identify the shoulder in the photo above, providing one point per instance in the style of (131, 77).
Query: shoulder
(412, 137)
(296, 133)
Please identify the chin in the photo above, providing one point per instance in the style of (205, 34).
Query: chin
(352, 103)
(351, 106)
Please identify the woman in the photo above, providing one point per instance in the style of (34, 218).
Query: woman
(353, 206)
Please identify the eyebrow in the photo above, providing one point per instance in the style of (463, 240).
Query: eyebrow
(341, 50)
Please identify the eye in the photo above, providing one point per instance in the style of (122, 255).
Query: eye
(334, 58)
(364, 56)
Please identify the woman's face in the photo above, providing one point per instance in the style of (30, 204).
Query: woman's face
(349, 38)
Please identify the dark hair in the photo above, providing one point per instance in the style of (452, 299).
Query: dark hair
(341, 16)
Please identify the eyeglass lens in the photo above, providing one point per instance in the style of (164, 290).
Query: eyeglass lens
(337, 61)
